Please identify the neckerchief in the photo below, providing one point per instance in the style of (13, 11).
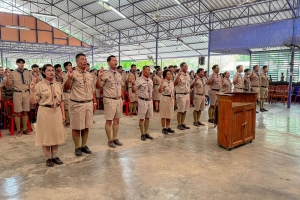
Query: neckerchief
(22, 74)
(84, 78)
(149, 86)
(171, 89)
(133, 74)
(51, 84)
(1, 79)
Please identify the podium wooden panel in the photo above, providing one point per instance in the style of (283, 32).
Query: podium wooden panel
(236, 118)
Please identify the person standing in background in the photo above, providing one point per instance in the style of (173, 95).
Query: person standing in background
(133, 96)
(264, 88)
(238, 80)
(206, 88)
(68, 67)
(226, 82)
(255, 81)
(246, 81)
(156, 94)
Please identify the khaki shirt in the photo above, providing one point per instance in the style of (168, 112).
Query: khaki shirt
(240, 82)
(62, 77)
(168, 88)
(217, 82)
(142, 86)
(112, 88)
(40, 77)
(227, 85)
(78, 92)
(246, 83)
(184, 83)
(255, 81)
(264, 80)
(199, 87)
(43, 93)
(16, 80)
(156, 79)
(135, 75)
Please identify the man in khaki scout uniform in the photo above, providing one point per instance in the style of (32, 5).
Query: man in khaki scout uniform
(199, 96)
(255, 81)
(20, 80)
(59, 73)
(111, 82)
(238, 80)
(182, 84)
(81, 86)
(68, 67)
(133, 96)
(246, 81)
(215, 83)
(123, 75)
(264, 88)
(144, 86)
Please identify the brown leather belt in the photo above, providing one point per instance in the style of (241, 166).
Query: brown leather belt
(87, 101)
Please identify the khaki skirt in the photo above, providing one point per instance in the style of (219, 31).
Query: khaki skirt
(49, 127)
(166, 107)
(156, 95)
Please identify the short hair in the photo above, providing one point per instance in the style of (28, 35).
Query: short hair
(199, 70)
(88, 64)
(175, 66)
(110, 57)
(55, 66)
(223, 75)
(165, 73)
(44, 68)
(146, 66)
(138, 70)
(80, 54)
(66, 64)
(255, 66)
(181, 64)
(246, 70)
(119, 67)
(34, 66)
(157, 67)
(238, 67)
(214, 67)
(265, 66)
(165, 68)
(171, 66)
(19, 60)
(133, 65)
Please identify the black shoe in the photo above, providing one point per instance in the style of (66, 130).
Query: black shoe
(180, 127)
(211, 121)
(57, 161)
(164, 131)
(184, 126)
(196, 124)
(143, 137)
(117, 142)
(148, 136)
(111, 144)
(265, 110)
(201, 124)
(262, 110)
(86, 150)
(170, 130)
(78, 152)
(49, 163)
(257, 112)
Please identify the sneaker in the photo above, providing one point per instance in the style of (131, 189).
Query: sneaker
(111, 144)
(86, 150)
(164, 131)
(143, 137)
(148, 136)
(170, 130)
(180, 127)
(185, 127)
(117, 142)
(196, 124)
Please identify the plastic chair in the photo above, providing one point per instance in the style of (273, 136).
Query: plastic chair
(297, 96)
(126, 103)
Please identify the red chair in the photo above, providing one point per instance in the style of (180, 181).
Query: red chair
(298, 95)
(126, 103)
(11, 118)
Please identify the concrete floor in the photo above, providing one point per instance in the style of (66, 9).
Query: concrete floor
(184, 165)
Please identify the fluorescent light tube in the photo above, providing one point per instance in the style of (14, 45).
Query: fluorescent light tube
(82, 23)
(178, 2)
(120, 14)
(44, 15)
(17, 27)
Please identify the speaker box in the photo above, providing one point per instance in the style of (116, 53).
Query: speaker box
(202, 61)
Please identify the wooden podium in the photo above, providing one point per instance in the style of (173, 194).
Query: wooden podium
(236, 118)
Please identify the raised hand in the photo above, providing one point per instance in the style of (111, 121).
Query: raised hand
(180, 72)
(70, 73)
(132, 80)
(162, 80)
(101, 72)
(33, 83)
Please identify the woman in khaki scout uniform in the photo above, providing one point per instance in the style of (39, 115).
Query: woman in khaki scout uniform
(20, 80)
(264, 88)
(132, 96)
(215, 83)
(246, 80)
(111, 82)
(238, 80)
(81, 86)
(182, 84)
(166, 110)
(255, 81)
(156, 95)
(199, 96)
(50, 131)
(226, 82)
(144, 86)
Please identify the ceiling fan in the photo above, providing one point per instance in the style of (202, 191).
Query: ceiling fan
(157, 15)
(247, 2)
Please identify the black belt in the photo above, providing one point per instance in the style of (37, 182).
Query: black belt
(254, 86)
(200, 94)
(66, 91)
(246, 89)
(182, 93)
(50, 106)
(240, 88)
(263, 86)
(129, 87)
(167, 95)
(144, 99)
(21, 91)
(156, 84)
(87, 101)
(216, 90)
(117, 98)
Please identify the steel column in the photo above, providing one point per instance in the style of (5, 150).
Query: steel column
(156, 45)
(6, 63)
(93, 57)
(119, 47)
(209, 44)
